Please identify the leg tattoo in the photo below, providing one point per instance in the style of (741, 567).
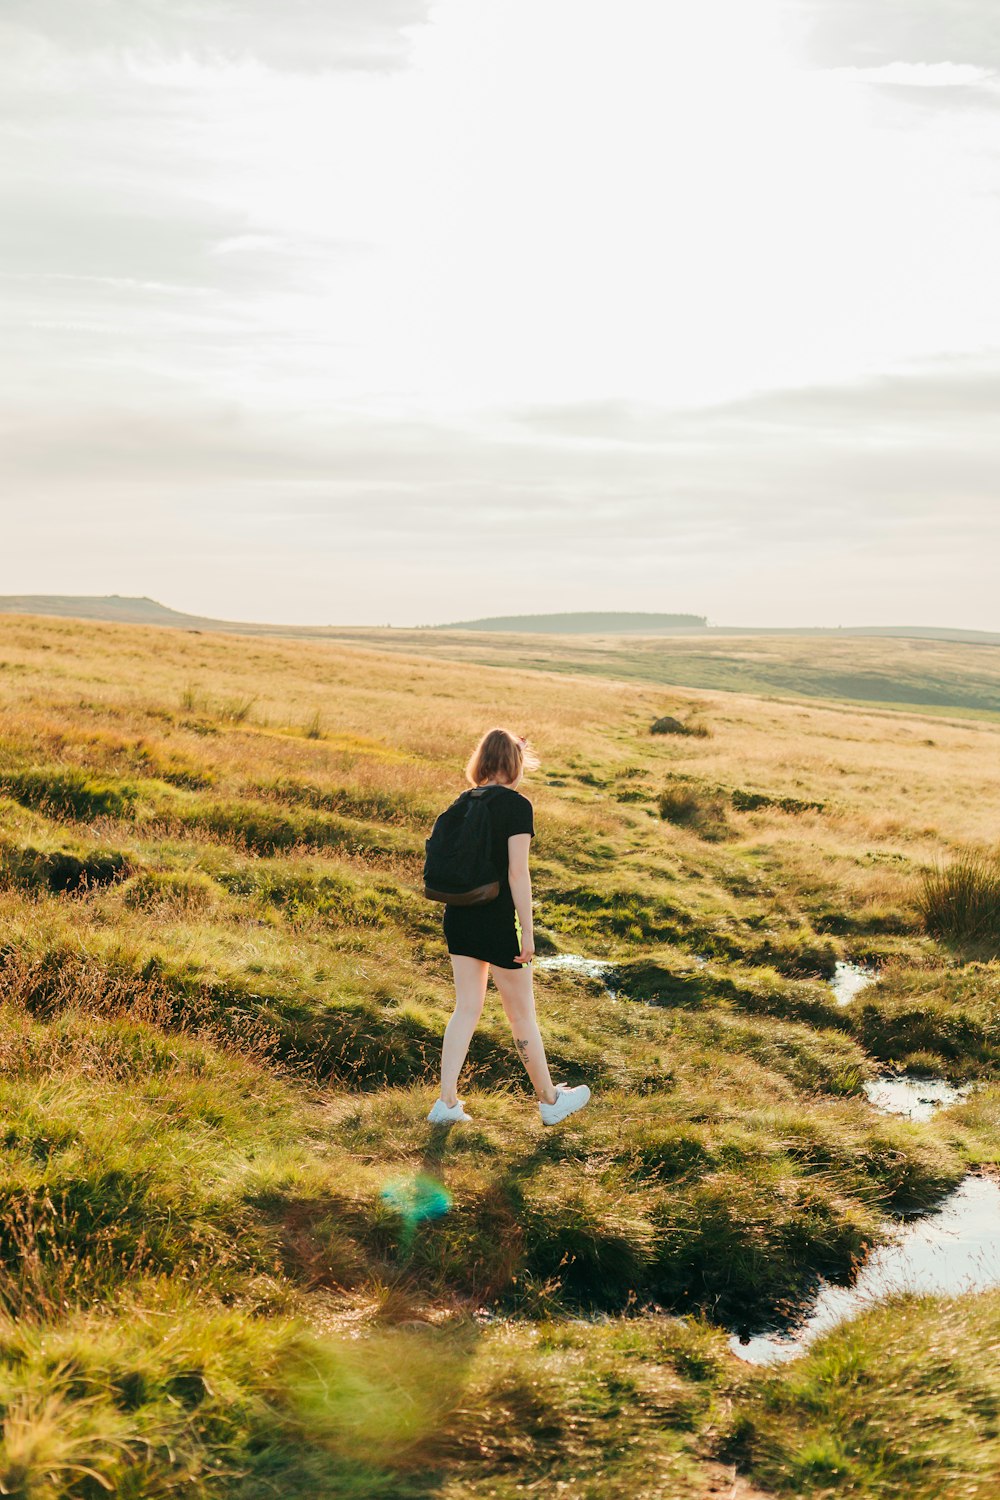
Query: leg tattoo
(521, 1043)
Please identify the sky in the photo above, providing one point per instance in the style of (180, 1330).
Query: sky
(390, 311)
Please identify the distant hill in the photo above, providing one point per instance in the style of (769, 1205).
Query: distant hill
(598, 622)
(95, 607)
(654, 624)
(124, 609)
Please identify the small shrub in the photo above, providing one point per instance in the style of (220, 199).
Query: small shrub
(237, 710)
(669, 725)
(961, 904)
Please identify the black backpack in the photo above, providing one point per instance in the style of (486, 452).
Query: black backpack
(459, 866)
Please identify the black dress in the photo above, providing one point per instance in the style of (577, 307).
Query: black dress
(492, 931)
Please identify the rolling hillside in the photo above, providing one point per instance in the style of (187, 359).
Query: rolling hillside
(237, 1260)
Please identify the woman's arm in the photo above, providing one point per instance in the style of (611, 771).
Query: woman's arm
(520, 888)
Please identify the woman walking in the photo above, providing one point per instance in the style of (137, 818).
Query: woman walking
(498, 935)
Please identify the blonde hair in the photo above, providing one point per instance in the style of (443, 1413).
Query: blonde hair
(500, 754)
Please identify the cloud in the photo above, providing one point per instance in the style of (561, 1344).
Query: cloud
(913, 444)
(870, 33)
(644, 314)
(946, 402)
(296, 35)
(941, 75)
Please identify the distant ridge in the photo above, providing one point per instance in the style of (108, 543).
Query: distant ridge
(643, 624)
(129, 611)
(123, 609)
(600, 622)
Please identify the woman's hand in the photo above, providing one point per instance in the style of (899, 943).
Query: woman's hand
(527, 952)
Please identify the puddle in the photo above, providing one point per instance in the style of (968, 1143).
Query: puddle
(849, 980)
(916, 1098)
(954, 1250)
(575, 963)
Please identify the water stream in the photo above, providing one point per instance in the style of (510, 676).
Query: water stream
(954, 1249)
(916, 1098)
(849, 980)
(575, 963)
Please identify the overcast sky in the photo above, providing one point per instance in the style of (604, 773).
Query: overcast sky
(367, 311)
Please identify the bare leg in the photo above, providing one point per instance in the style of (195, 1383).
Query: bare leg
(519, 1006)
(471, 975)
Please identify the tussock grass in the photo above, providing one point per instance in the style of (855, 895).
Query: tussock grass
(690, 807)
(747, 801)
(165, 1398)
(665, 979)
(237, 710)
(143, 1154)
(60, 870)
(301, 894)
(371, 804)
(933, 1019)
(172, 892)
(961, 903)
(69, 791)
(161, 1397)
(259, 828)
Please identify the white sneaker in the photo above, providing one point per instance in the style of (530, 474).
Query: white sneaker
(448, 1114)
(568, 1101)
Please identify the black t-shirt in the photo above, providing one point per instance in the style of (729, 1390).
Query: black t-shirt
(490, 931)
(509, 813)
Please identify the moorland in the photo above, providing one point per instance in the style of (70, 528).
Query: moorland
(236, 1261)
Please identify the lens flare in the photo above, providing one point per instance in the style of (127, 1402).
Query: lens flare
(416, 1199)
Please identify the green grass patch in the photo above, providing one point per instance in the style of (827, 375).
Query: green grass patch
(932, 1020)
(70, 792)
(904, 1400)
(261, 828)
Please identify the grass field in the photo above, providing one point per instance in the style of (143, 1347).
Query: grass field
(237, 1262)
(932, 676)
